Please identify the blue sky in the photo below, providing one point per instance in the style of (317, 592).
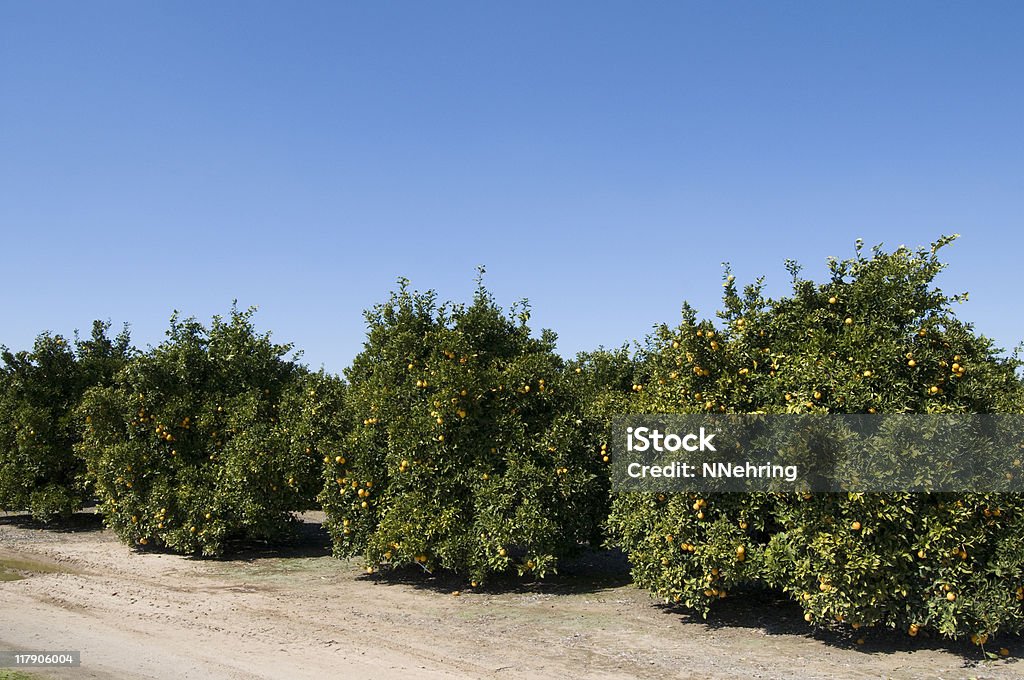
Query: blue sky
(601, 158)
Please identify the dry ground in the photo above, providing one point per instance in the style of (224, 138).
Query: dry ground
(300, 613)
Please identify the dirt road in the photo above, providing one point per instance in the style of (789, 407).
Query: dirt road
(302, 614)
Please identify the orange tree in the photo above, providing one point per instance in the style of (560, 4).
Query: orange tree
(877, 337)
(39, 390)
(468, 450)
(206, 438)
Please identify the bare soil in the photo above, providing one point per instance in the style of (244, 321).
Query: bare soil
(299, 613)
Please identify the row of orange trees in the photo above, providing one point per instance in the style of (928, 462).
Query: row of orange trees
(459, 440)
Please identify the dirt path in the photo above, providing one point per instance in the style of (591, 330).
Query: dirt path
(307, 615)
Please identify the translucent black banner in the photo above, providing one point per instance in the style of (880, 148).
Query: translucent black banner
(818, 453)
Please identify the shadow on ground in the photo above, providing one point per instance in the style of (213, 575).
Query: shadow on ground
(78, 522)
(308, 539)
(592, 571)
(772, 613)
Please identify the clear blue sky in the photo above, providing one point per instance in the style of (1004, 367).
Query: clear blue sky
(600, 158)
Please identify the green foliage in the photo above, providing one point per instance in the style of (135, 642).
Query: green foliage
(206, 437)
(39, 390)
(878, 337)
(469, 448)
(905, 561)
(606, 379)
